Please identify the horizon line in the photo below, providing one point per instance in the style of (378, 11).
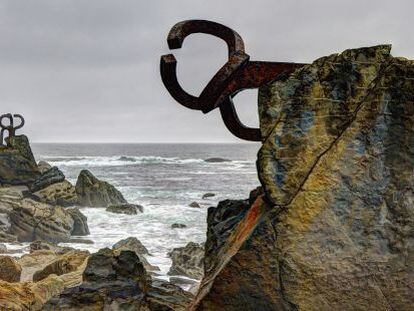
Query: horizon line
(162, 142)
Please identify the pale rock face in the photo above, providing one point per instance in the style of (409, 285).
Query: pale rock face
(335, 227)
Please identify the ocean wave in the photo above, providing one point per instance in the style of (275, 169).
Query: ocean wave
(115, 160)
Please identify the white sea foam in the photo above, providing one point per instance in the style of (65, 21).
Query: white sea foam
(98, 161)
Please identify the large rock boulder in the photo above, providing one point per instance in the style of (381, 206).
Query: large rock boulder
(17, 164)
(10, 269)
(65, 263)
(135, 245)
(188, 261)
(96, 193)
(31, 220)
(335, 228)
(80, 222)
(118, 281)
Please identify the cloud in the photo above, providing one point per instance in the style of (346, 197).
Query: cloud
(88, 70)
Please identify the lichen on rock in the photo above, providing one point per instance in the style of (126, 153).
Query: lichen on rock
(334, 228)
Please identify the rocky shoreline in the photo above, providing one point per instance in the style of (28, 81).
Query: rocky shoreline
(331, 229)
(39, 206)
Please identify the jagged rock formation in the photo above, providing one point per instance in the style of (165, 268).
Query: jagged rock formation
(188, 261)
(335, 228)
(96, 193)
(118, 281)
(18, 166)
(28, 295)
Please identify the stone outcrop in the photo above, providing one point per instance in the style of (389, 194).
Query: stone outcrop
(31, 220)
(18, 166)
(61, 193)
(93, 192)
(334, 229)
(28, 295)
(47, 178)
(43, 166)
(65, 263)
(10, 270)
(135, 245)
(188, 261)
(127, 209)
(118, 281)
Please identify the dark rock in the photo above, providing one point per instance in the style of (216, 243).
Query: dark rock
(50, 177)
(188, 261)
(17, 164)
(128, 209)
(163, 295)
(10, 269)
(80, 222)
(116, 280)
(96, 193)
(65, 263)
(216, 160)
(110, 281)
(43, 166)
(221, 221)
(208, 195)
(178, 226)
(194, 205)
(133, 244)
(62, 193)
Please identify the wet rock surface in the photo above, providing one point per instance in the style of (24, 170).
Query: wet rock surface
(134, 245)
(118, 280)
(188, 261)
(334, 228)
(127, 209)
(93, 192)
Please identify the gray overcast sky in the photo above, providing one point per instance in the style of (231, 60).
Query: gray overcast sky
(88, 71)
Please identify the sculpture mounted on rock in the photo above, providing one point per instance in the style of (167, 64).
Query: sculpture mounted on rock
(10, 128)
(237, 74)
(333, 228)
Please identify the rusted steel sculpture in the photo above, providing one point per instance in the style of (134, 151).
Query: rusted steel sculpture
(10, 128)
(237, 74)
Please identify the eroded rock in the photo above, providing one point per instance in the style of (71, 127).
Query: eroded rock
(188, 260)
(96, 193)
(335, 228)
(10, 270)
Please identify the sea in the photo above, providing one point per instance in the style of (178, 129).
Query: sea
(164, 179)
